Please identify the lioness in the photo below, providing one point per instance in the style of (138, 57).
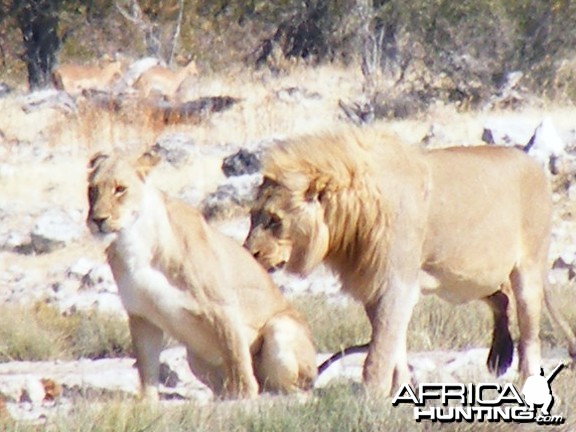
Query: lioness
(393, 221)
(176, 274)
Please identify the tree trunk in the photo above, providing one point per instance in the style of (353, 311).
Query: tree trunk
(38, 22)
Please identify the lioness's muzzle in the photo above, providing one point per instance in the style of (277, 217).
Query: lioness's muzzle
(99, 222)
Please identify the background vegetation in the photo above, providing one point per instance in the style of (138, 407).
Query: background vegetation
(458, 51)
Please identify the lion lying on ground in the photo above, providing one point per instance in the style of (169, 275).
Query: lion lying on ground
(393, 221)
(177, 275)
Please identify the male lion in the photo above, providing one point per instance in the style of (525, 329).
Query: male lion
(392, 221)
(176, 274)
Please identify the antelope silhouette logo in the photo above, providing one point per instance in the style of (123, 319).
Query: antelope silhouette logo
(538, 392)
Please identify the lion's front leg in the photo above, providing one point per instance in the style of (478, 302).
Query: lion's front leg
(386, 365)
(147, 343)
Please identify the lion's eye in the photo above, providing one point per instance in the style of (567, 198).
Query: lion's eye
(274, 222)
(119, 190)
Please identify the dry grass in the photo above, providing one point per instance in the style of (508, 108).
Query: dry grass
(42, 333)
(263, 112)
(338, 408)
(435, 325)
(335, 325)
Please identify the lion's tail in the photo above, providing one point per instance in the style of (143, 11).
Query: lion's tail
(560, 321)
(355, 349)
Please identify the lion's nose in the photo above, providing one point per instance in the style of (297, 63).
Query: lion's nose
(99, 221)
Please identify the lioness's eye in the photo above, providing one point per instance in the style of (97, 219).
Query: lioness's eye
(92, 194)
(119, 190)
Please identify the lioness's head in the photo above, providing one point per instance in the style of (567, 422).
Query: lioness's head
(115, 191)
(288, 226)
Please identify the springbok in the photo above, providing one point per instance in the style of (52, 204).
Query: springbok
(159, 80)
(74, 78)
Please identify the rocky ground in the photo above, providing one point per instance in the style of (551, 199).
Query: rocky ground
(47, 254)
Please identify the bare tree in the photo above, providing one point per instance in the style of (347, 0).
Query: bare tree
(176, 33)
(152, 30)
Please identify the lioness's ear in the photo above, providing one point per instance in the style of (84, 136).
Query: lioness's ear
(96, 160)
(316, 189)
(146, 162)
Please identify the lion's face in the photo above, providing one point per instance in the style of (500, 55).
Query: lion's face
(287, 228)
(114, 194)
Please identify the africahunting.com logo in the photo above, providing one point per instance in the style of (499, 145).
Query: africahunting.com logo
(483, 402)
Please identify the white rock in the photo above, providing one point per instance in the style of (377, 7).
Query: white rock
(99, 276)
(546, 146)
(80, 268)
(175, 369)
(15, 241)
(175, 148)
(33, 391)
(7, 171)
(105, 302)
(545, 141)
(11, 388)
(64, 289)
(349, 368)
(507, 131)
(53, 230)
(235, 191)
(109, 303)
(320, 281)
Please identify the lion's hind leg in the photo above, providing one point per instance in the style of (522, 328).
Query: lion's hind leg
(286, 362)
(502, 348)
(527, 285)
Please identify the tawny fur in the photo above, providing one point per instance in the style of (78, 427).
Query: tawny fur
(394, 221)
(74, 78)
(159, 80)
(177, 275)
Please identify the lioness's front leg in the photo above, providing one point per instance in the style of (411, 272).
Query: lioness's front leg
(147, 343)
(240, 379)
(386, 366)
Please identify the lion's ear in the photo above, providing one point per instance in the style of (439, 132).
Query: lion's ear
(146, 162)
(316, 189)
(96, 160)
